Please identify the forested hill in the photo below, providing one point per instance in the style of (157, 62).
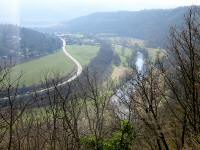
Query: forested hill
(18, 41)
(151, 25)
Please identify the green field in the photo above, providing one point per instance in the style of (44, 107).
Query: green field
(84, 54)
(33, 72)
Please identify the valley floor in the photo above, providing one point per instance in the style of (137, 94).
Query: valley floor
(33, 72)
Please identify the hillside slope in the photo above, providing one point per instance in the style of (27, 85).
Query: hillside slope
(17, 41)
(151, 25)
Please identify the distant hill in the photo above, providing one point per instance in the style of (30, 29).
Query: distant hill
(20, 41)
(151, 25)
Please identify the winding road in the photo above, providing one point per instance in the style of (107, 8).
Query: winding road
(79, 67)
(76, 75)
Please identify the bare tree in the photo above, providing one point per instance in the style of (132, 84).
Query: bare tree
(95, 101)
(12, 110)
(147, 103)
(181, 74)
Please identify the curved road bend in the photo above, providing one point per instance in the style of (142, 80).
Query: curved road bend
(78, 73)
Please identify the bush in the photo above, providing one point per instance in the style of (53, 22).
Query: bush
(120, 140)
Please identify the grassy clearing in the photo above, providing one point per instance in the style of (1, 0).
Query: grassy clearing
(83, 53)
(34, 71)
(119, 72)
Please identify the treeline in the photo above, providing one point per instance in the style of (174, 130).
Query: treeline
(38, 42)
(16, 41)
(160, 108)
(102, 63)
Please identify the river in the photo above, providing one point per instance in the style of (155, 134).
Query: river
(121, 98)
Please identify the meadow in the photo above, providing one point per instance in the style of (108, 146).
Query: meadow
(34, 71)
(83, 53)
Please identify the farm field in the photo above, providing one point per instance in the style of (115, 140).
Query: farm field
(83, 53)
(33, 72)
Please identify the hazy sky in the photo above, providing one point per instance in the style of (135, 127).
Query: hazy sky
(16, 11)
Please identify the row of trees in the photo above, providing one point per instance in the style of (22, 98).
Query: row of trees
(158, 110)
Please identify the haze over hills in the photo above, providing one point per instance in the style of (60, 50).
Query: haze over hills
(16, 41)
(35, 13)
(150, 25)
(104, 81)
